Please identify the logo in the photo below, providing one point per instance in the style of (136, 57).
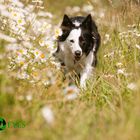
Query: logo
(11, 124)
(2, 124)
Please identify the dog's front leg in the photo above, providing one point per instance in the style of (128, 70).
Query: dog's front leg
(84, 75)
(83, 80)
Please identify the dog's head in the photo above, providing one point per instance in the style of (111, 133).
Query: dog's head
(78, 35)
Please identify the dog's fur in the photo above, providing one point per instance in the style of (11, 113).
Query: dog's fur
(78, 45)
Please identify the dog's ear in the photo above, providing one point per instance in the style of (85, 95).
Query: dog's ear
(66, 23)
(87, 23)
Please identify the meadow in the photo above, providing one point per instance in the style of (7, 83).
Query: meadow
(32, 89)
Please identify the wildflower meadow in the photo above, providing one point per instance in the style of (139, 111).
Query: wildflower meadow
(35, 100)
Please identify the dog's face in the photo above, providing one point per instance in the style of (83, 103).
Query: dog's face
(77, 35)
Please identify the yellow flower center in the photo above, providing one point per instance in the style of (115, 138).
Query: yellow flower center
(36, 53)
(21, 63)
(42, 55)
(19, 21)
(21, 51)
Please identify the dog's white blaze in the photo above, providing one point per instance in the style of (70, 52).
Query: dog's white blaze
(74, 35)
(76, 23)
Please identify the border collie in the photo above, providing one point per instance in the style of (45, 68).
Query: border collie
(78, 45)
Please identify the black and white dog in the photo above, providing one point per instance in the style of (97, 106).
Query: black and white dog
(78, 45)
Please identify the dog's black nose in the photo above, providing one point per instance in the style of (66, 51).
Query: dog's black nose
(77, 53)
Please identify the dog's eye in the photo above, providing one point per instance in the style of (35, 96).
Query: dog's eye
(72, 41)
(82, 41)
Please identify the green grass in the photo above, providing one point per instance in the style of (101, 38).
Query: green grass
(106, 110)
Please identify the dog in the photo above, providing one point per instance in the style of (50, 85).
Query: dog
(78, 45)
